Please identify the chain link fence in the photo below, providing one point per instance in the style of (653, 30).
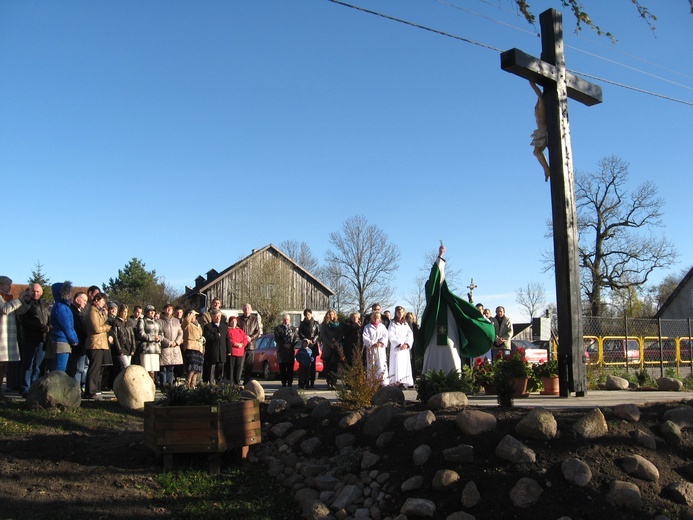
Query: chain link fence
(655, 345)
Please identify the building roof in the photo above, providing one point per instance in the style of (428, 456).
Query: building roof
(675, 293)
(202, 283)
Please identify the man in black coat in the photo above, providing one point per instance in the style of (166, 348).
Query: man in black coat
(217, 347)
(310, 329)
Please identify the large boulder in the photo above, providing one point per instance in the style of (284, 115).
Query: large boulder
(290, 395)
(133, 387)
(55, 390)
(253, 390)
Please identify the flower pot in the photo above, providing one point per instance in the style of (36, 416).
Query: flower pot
(201, 429)
(520, 386)
(550, 385)
(490, 389)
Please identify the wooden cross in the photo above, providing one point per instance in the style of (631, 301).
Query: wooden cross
(559, 85)
(470, 294)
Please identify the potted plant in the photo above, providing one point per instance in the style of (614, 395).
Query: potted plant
(513, 370)
(206, 419)
(548, 373)
(483, 375)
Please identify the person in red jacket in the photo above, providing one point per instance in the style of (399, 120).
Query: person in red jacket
(239, 339)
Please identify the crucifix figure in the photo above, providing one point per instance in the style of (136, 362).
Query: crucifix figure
(559, 85)
(470, 294)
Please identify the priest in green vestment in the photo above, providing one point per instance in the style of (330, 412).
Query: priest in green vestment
(451, 327)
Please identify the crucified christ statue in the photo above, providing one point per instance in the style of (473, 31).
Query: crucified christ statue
(539, 136)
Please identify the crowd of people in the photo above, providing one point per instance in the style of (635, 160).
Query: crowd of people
(84, 335)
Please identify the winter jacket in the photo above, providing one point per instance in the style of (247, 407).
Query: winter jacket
(286, 339)
(97, 329)
(147, 330)
(123, 337)
(62, 322)
(171, 355)
(236, 335)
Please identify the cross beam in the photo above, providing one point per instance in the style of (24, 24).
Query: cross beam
(559, 85)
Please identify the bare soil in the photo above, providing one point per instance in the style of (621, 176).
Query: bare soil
(108, 473)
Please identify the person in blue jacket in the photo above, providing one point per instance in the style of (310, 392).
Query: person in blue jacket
(63, 334)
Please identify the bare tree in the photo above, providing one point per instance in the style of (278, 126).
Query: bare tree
(617, 248)
(532, 298)
(416, 298)
(300, 253)
(365, 260)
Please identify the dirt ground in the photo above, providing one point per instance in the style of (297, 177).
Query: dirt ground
(109, 473)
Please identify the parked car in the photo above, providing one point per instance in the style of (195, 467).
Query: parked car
(533, 354)
(265, 358)
(617, 351)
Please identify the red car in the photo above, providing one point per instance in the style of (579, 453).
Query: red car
(265, 358)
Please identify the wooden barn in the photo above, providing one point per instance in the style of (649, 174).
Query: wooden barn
(679, 305)
(268, 279)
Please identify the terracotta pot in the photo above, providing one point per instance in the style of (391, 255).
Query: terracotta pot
(550, 385)
(520, 384)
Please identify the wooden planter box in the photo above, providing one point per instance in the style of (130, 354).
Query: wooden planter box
(202, 429)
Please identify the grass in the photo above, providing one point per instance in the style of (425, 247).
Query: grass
(239, 493)
(16, 417)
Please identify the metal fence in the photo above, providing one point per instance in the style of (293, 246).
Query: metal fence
(639, 343)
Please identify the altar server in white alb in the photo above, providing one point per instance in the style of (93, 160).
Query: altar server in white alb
(401, 339)
(375, 341)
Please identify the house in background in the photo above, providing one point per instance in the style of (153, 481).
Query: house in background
(268, 279)
(679, 305)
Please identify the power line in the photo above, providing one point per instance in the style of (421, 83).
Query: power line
(486, 46)
(436, 31)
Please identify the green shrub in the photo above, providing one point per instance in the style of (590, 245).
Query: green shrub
(436, 381)
(358, 384)
(201, 395)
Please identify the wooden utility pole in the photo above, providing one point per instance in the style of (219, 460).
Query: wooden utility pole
(559, 85)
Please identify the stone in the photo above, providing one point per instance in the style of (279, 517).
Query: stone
(412, 483)
(670, 432)
(295, 436)
(388, 394)
(419, 421)
(309, 446)
(290, 395)
(616, 383)
(640, 467)
(447, 400)
(349, 420)
(419, 507)
(461, 453)
(625, 495)
(576, 472)
(460, 515)
(592, 425)
(475, 422)
(344, 440)
(525, 493)
(444, 478)
(315, 510)
(682, 416)
(58, 390)
(384, 439)
(512, 450)
(629, 412)
(347, 496)
(280, 429)
(539, 424)
(325, 482)
(421, 454)
(645, 439)
(322, 410)
(369, 459)
(470, 495)
(378, 420)
(133, 387)
(256, 389)
(669, 384)
(314, 401)
(680, 492)
(277, 406)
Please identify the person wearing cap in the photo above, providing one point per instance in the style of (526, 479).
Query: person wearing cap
(238, 339)
(217, 346)
(149, 334)
(193, 347)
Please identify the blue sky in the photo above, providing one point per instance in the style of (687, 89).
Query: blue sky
(188, 133)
